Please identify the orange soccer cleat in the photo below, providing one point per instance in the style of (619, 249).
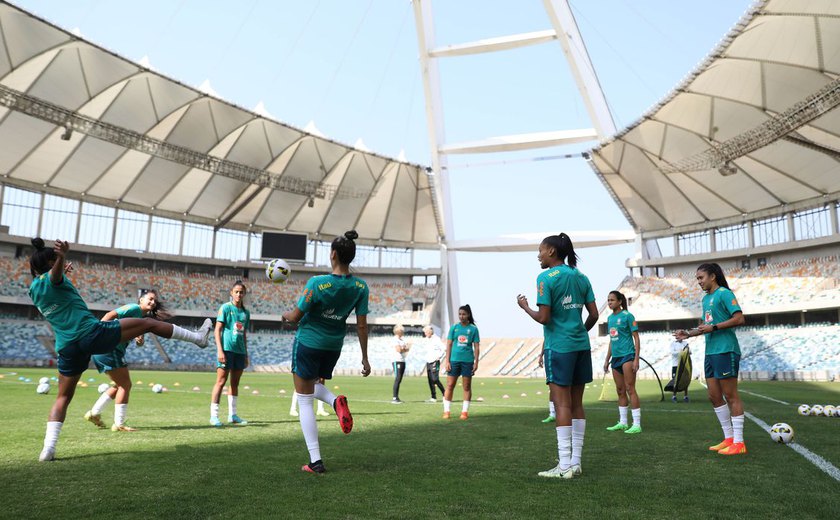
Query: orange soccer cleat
(725, 444)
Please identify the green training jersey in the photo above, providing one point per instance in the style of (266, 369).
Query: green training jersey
(566, 290)
(63, 308)
(326, 302)
(132, 310)
(718, 307)
(621, 327)
(463, 338)
(235, 321)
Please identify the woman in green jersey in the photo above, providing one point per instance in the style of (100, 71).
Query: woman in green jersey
(322, 312)
(562, 293)
(78, 334)
(232, 359)
(624, 351)
(113, 363)
(721, 314)
(462, 351)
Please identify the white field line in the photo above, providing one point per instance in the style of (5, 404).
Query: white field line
(755, 394)
(827, 467)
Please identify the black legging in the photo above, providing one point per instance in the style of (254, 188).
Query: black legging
(433, 373)
(399, 372)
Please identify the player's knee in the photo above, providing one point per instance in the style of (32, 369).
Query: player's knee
(620, 390)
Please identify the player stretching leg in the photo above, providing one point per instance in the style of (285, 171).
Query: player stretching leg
(322, 311)
(78, 334)
(562, 293)
(624, 349)
(721, 313)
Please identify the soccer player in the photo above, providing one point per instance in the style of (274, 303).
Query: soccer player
(433, 357)
(78, 334)
(293, 409)
(624, 350)
(401, 349)
(113, 363)
(721, 313)
(562, 293)
(462, 349)
(322, 312)
(231, 352)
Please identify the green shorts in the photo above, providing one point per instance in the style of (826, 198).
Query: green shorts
(103, 338)
(617, 363)
(461, 368)
(233, 361)
(313, 363)
(110, 361)
(568, 368)
(722, 366)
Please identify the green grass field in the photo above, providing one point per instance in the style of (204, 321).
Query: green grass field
(405, 461)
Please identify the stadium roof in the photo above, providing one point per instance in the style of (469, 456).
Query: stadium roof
(79, 121)
(753, 132)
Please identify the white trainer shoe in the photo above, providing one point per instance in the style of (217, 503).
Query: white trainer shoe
(205, 330)
(47, 455)
(558, 472)
(577, 469)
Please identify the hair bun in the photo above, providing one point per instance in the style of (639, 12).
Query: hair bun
(38, 243)
(352, 235)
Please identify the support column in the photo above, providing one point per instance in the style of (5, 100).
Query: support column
(790, 227)
(750, 235)
(832, 215)
(712, 240)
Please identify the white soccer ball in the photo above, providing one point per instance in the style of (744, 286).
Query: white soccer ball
(43, 388)
(837, 411)
(804, 409)
(44, 380)
(781, 433)
(158, 388)
(103, 388)
(829, 410)
(278, 270)
(817, 410)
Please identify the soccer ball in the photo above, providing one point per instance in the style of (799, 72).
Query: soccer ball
(804, 409)
(103, 388)
(781, 433)
(817, 410)
(278, 270)
(158, 388)
(829, 410)
(44, 380)
(43, 388)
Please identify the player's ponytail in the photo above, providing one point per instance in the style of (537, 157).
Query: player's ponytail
(42, 258)
(621, 298)
(345, 247)
(563, 248)
(715, 269)
(468, 310)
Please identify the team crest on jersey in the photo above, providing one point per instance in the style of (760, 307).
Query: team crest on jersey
(708, 317)
(613, 332)
(462, 339)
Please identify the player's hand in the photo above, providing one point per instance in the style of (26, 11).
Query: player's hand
(68, 267)
(540, 362)
(475, 367)
(705, 328)
(681, 334)
(61, 247)
(220, 357)
(140, 341)
(606, 366)
(448, 367)
(522, 301)
(247, 361)
(635, 365)
(365, 367)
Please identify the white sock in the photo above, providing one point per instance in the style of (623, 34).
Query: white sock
(309, 427)
(186, 335)
(231, 405)
(622, 415)
(551, 411)
(53, 431)
(214, 410)
(446, 405)
(100, 403)
(564, 446)
(119, 414)
(321, 407)
(637, 417)
(725, 420)
(322, 393)
(578, 431)
(293, 408)
(738, 428)
(465, 407)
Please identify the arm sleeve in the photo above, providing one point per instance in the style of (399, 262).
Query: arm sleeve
(632, 319)
(307, 297)
(362, 304)
(129, 311)
(543, 290)
(477, 339)
(731, 303)
(590, 296)
(451, 334)
(222, 316)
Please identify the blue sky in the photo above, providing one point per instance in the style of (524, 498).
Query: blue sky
(351, 66)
